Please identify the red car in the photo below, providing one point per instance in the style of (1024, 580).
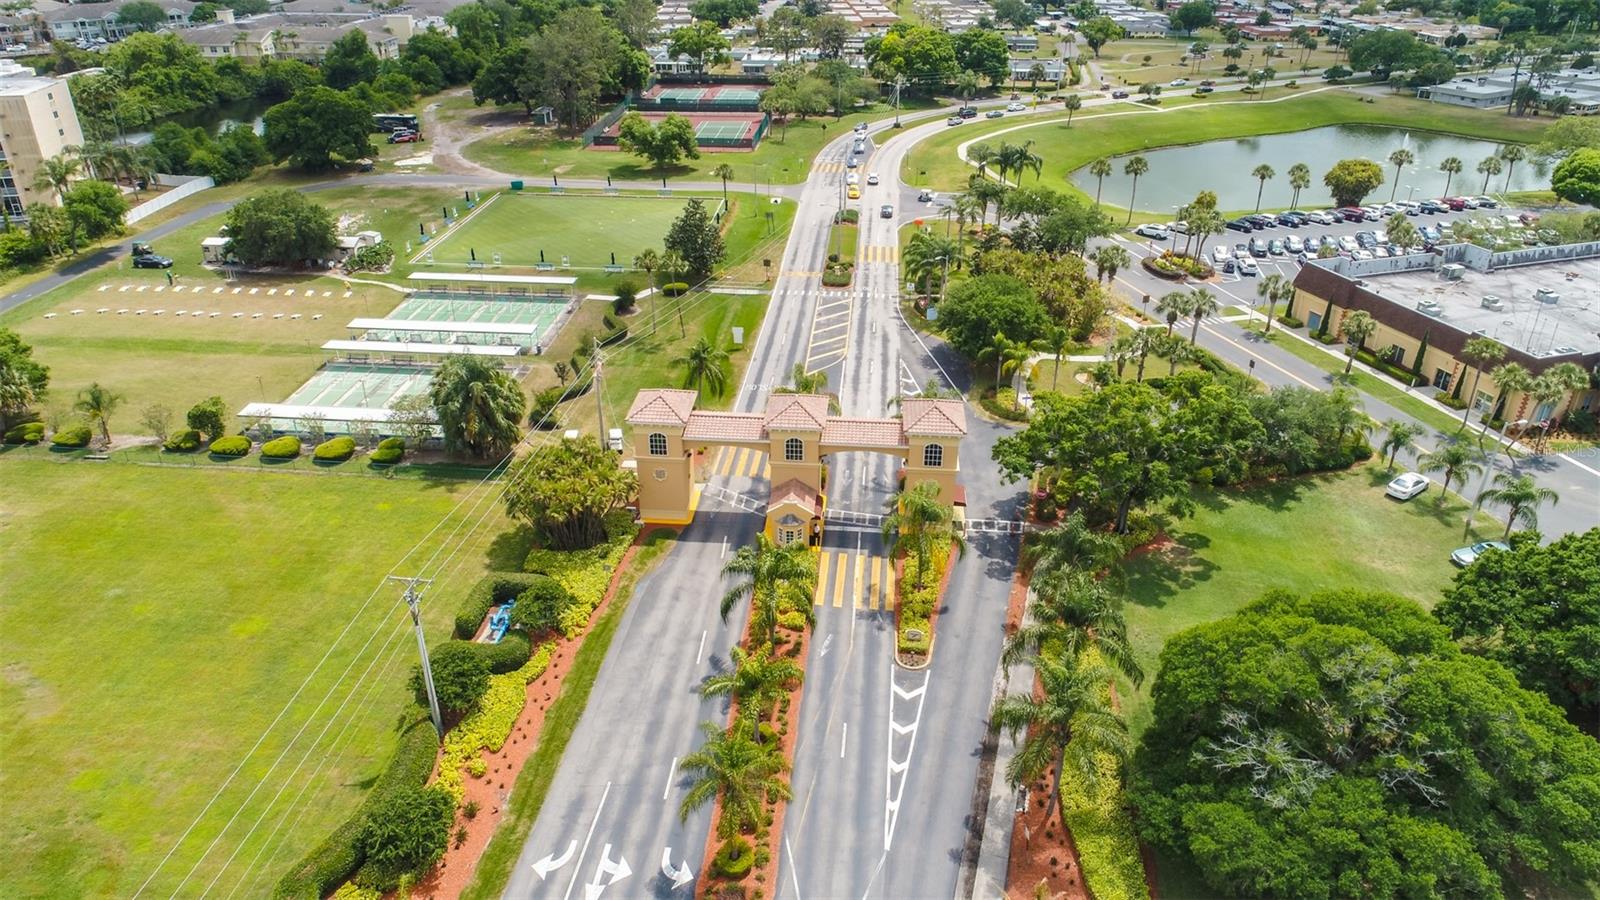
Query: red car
(1456, 204)
(405, 137)
(1353, 213)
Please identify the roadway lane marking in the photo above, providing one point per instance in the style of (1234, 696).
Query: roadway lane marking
(793, 875)
(822, 578)
(586, 838)
(670, 769)
(891, 797)
(844, 736)
(701, 653)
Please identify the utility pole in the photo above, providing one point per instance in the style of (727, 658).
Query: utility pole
(413, 599)
(899, 82)
(600, 391)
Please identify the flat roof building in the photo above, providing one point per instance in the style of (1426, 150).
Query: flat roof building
(37, 122)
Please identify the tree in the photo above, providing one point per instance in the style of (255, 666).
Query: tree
(317, 125)
(95, 208)
(565, 490)
(1174, 305)
(1071, 546)
(1521, 496)
(1201, 303)
(1099, 31)
(723, 171)
(1299, 180)
(56, 173)
(539, 607)
(982, 53)
(1262, 173)
(1383, 50)
(1133, 168)
(986, 305)
(1108, 260)
(927, 254)
(406, 832)
(697, 239)
(1100, 168)
(1489, 167)
(580, 56)
(967, 84)
(1352, 713)
(917, 520)
(141, 15)
(1350, 180)
(1457, 459)
(724, 12)
(280, 227)
(1401, 232)
(23, 381)
(703, 367)
(97, 403)
(1073, 103)
(1398, 435)
(1536, 610)
(1577, 178)
(349, 61)
(1481, 352)
(1073, 612)
(1451, 166)
(460, 677)
(479, 405)
(701, 42)
(776, 579)
(738, 770)
(756, 681)
(208, 417)
(1511, 154)
(1355, 329)
(1399, 159)
(664, 145)
(1192, 15)
(413, 418)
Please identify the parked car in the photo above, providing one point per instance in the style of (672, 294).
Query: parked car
(1258, 246)
(1361, 254)
(1389, 209)
(1433, 206)
(1294, 244)
(1247, 266)
(1178, 82)
(1371, 213)
(152, 261)
(1348, 244)
(953, 120)
(1240, 225)
(1180, 227)
(1220, 254)
(1262, 220)
(1466, 556)
(1366, 240)
(1352, 213)
(404, 137)
(995, 114)
(1275, 247)
(872, 178)
(1412, 207)
(1379, 251)
(1016, 107)
(1429, 234)
(1155, 232)
(1119, 95)
(1487, 202)
(967, 112)
(1456, 204)
(886, 211)
(1325, 217)
(1407, 486)
(1292, 219)
(1529, 218)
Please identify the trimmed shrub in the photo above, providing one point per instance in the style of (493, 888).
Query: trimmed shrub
(1290, 322)
(460, 676)
(185, 441)
(586, 573)
(539, 608)
(286, 447)
(386, 456)
(76, 436)
(734, 859)
(233, 445)
(509, 655)
(493, 589)
(405, 836)
(336, 449)
(675, 289)
(26, 433)
(392, 443)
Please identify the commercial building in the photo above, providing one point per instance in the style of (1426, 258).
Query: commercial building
(37, 122)
(1581, 87)
(1538, 303)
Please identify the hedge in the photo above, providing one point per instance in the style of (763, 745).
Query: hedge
(675, 289)
(338, 857)
(76, 436)
(492, 589)
(916, 604)
(586, 573)
(185, 441)
(26, 433)
(336, 449)
(509, 655)
(1000, 405)
(392, 443)
(1108, 851)
(286, 447)
(386, 456)
(734, 859)
(489, 725)
(231, 445)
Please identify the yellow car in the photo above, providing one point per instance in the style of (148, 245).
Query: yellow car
(855, 192)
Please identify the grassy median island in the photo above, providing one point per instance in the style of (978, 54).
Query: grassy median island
(153, 623)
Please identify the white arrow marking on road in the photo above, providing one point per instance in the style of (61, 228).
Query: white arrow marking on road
(909, 695)
(826, 643)
(903, 729)
(681, 875)
(617, 870)
(550, 863)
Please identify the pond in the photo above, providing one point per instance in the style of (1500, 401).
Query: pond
(213, 119)
(1178, 173)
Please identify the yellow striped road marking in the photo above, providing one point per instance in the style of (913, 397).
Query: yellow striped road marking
(766, 467)
(739, 463)
(748, 470)
(822, 578)
(858, 588)
(715, 468)
(838, 578)
(888, 583)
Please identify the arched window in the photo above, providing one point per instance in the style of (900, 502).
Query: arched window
(932, 456)
(794, 450)
(658, 444)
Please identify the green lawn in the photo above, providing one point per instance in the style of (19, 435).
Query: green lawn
(590, 230)
(155, 620)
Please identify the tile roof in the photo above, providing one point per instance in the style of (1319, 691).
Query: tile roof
(863, 432)
(661, 406)
(796, 412)
(796, 491)
(939, 418)
(725, 426)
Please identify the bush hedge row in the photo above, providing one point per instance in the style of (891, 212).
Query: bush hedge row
(916, 604)
(509, 655)
(489, 725)
(231, 445)
(586, 573)
(1108, 851)
(336, 449)
(26, 433)
(389, 451)
(76, 436)
(185, 441)
(492, 589)
(286, 447)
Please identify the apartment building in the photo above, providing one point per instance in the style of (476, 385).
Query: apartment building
(37, 121)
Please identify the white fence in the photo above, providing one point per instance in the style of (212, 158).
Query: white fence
(188, 186)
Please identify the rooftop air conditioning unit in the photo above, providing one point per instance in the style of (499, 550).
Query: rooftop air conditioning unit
(1490, 301)
(1452, 271)
(1563, 350)
(1429, 308)
(1545, 295)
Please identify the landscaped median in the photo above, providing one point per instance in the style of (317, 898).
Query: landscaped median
(922, 534)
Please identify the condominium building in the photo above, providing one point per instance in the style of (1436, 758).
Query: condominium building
(37, 121)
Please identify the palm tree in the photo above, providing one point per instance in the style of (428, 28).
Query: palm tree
(1134, 167)
(56, 173)
(16, 393)
(703, 367)
(803, 382)
(1208, 222)
(1055, 341)
(1071, 546)
(1509, 378)
(97, 403)
(1174, 305)
(1035, 75)
(1511, 154)
(1070, 723)
(1451, 166)
(1522, 497)
(1261, 173)
(1356, 328)
(967, 84)
(917, 518)
(1400, 434)
(479, 404)
(981, 155)
(1299, 179)
(1456, 459)
(1108, 260)
(1072, 612)
(737, 769)
(1008, 355)
(1267, 289)
(648, 261)
(1100, 168)
(1027, 159)
(776, 578)
(1546, 389)
(1202, 303)
(1174, 350)
(755, 681)
(1573, 378)
(1073, 103)
(1480, 352)
(1135, 346)
(1488, 168)
(724, 172)
(927, 253)
(1399, 159)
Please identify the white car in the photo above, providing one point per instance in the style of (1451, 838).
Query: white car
(1294, 243)
(1466, 556)
(1155, 232)
(852, 178)
(1015, 107)
(1247, 266)
(1178, 82)
(872, 178)
(1220, 254)
(1407, 486)
(1348, 244)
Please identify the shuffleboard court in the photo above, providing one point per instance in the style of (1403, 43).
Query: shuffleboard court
(586, 229)
(357, 386)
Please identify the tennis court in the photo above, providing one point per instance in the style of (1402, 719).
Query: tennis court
(682, 95)
(744, 97)
(357, 386)
(526, 230)
(712, 130)
(721, 131)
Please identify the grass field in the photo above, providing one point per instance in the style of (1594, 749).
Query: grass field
(155, 620)
(1125, 62)
(587, 229)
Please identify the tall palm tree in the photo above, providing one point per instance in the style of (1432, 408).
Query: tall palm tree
(967, 84)
(1008, 356)
(56, 173)
(96, 403)
(1299, 179)
(479, 405)
(1070, 613)
(1108, 260)
(17, 393)
(1511, 154)
(1135, 346)
(919, 520)
(738, 769)
(1073, 103)
(1522, 497)
(1133, 168)
(1451, 166)
(1070, 724)
(1174, 350)
(1480, 352)
(967, 209)
(928, 253)
(981, 155)
(755, 681)
(649, 261)
(1509, 378)
(776, 578)
(724, 172)
(1261, 173)
(1203, 225)
(1100, 168)
(1489, 167)
(1356, 328)
(1202, 303)
(1267, 289)
(803, 382)
(702, 365)
(1055, 341)
(1546, 389)
(1174, 305)
(1027, 159)
(1399, 434)
(1457, 459)
(1573, 378)
(1399, 159)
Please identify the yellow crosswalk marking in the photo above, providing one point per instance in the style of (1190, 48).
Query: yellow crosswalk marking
(756, 458)
(838, 578)
(742, 460)
(822, 578)
(888, 584)
(766, 467)
(862, 596)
